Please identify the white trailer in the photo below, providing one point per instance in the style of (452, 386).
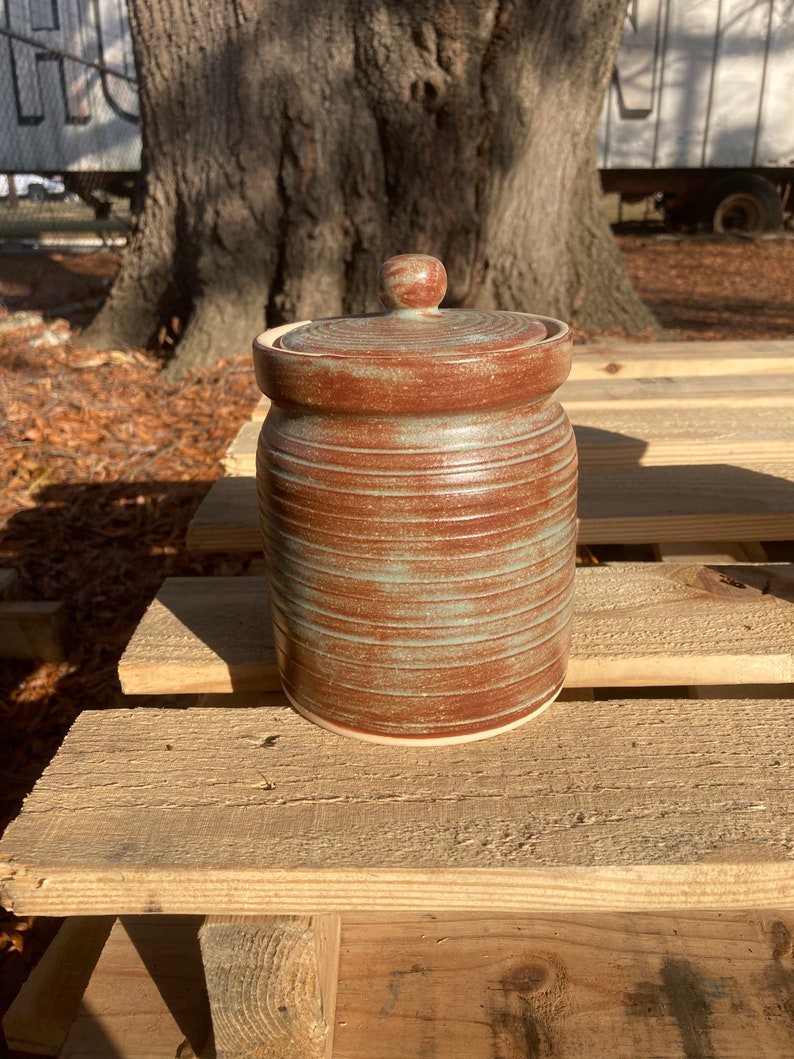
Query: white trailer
(700, 112)
(68, 94)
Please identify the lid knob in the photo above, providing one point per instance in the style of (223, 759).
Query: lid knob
(412, 283)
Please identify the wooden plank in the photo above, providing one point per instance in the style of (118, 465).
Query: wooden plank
(615, 436)
(203, 635)
(42, 1013)
(227, 520)
(592, 807)
(639, 505)
(626, 986)
(463, 985)
(626, 505)
(635, 626)
(240, 457)
(708, 391)
(327, 933)
(647, 359)
(618, 435)
(146, 998)
(698, 625)
(272, 985)
(262, 408)
(711, 552)
(33, 630)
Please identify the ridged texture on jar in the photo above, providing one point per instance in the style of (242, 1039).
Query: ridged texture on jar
(421, 566)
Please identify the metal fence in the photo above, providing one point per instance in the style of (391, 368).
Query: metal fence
(69, 118)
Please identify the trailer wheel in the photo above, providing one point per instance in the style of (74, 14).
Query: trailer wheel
(741, 202)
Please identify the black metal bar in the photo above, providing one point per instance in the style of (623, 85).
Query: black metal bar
(66, 55)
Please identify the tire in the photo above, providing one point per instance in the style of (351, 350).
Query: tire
(36, 193)
(741, 202)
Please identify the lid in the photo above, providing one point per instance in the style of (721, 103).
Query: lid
(411, 287)
(415, 358)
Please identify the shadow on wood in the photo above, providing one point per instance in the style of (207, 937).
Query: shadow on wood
(147, 998)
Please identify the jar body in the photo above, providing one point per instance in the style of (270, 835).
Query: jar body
(420, 565)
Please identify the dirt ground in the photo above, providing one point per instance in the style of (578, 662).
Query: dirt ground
(102, 465)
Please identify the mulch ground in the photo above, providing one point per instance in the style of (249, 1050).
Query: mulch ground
(702, 288)
(102, 465)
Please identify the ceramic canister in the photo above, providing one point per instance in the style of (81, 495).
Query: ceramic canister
(417, 488)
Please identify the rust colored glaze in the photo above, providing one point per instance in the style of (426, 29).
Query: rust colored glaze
(417, 485)
(412, 281)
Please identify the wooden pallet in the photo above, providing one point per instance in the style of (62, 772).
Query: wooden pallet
(615, 877)
(451, 985)
(606, 811)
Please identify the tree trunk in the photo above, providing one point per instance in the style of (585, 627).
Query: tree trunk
(290, 147)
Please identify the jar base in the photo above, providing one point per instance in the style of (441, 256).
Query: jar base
(446, 740)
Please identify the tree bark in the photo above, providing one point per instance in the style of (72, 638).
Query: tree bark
(290, 148)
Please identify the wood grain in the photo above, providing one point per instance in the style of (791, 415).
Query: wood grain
(624, 505)
(642, 360)
(264, 982)
(623, 986)
(723, 392)
(146, 998)
(327, 933)
(634, 624)
(594, 806)
(203, 635)
(227, 519)
(614, 435)
(635, 505)
(707, 553)
(42, 1013)
(475, 985)
(618, 434)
